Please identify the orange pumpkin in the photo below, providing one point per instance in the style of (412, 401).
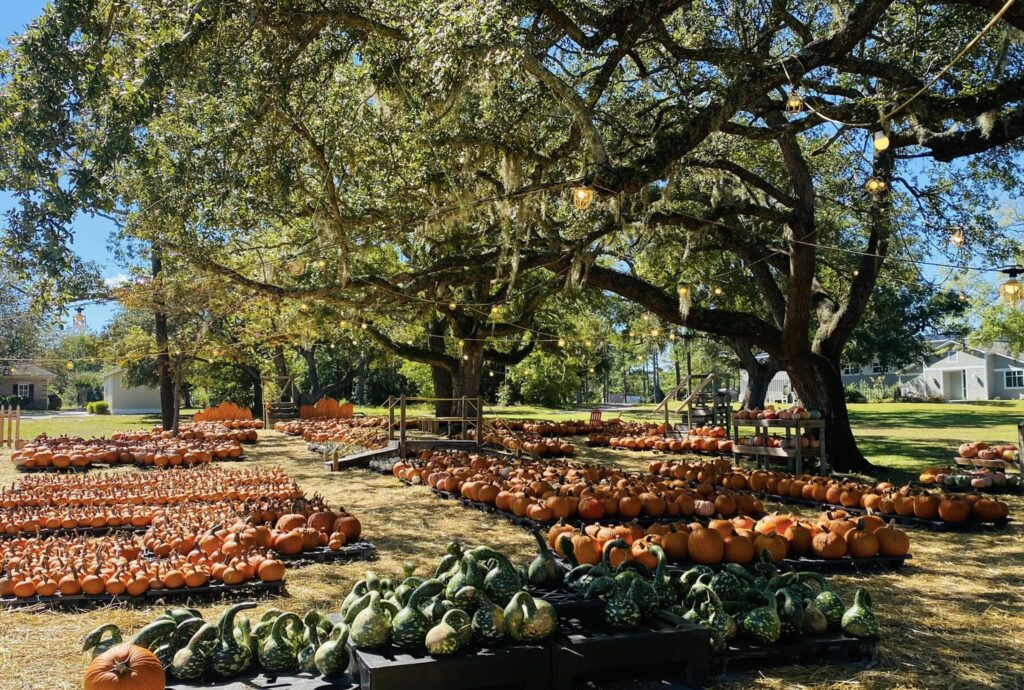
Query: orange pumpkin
(125, 667)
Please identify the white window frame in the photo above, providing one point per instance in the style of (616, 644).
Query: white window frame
(1016, 373)
(850, 370)
(28, 390)
(953, 356)
(877, 368)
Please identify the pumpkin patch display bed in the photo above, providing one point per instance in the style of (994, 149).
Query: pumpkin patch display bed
(936, 510)
(206, 593)
(208, 532)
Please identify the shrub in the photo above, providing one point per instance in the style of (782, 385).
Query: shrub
(53, 401)
(855, 396)
(98, 407)
(14, 401)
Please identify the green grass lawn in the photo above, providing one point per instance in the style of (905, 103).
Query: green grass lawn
(88, 425)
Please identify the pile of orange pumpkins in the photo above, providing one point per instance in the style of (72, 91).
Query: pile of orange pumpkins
(739, 540)
(549, 491)
(527, 441)
(883, 498)
(140, 448)
(365, 432)
(1006, 452)
(218, 526)
(769, 413)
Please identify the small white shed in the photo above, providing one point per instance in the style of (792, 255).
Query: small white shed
(129, 400)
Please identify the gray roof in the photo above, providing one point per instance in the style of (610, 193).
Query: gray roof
(26, 369)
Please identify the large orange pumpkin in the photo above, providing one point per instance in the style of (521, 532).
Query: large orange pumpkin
(125, 667)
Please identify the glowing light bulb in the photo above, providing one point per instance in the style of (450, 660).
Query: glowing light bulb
(881, 141)
(957, 237)
(582, 197)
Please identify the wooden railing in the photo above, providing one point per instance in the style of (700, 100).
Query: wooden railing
(10, 427)
(470, 416)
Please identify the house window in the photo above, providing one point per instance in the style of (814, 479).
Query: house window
(877, 368)
(1014, 378)
(952, 356)
(23, 390)
(849, 369)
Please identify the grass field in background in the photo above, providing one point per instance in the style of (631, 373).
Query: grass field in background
(902, 437)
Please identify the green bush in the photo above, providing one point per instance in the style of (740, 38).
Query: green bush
(855, 396)
(53, 401)
(98, 407)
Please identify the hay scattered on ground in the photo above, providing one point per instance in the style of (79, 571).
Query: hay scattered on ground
(954, 618)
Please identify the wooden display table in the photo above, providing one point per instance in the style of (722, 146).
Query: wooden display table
(794, 429)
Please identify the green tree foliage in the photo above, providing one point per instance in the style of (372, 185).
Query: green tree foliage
(384, 159)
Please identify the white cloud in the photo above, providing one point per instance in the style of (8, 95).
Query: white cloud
(116, 281)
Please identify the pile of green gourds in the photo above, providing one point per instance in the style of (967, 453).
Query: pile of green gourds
(473, 595)
(768, 605)
(631, 592)
(763, 607)
(191, 648)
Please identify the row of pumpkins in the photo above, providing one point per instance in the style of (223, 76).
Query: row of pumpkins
(770, 413)
(1006, 452)
(551, 491)
(180, 549)
(980, 479)
(740, 540)
(64, 452)
(527, 441)
(206, 484)
(883, 498)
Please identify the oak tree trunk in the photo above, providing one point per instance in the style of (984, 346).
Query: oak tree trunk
(819, 383)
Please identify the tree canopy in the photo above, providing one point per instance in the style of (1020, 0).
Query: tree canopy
(405, 167)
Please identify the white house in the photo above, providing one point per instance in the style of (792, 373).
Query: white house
(129, 400)
(954, 371)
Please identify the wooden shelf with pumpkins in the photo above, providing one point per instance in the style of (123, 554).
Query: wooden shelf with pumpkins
(804, 437)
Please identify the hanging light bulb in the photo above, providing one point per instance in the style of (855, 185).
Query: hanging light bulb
(79, 319)
(876, 186)
(588, 342)
(462, 343)
(718, 291)
(684, 291)
(1012, 292)
(491, 374)
(70, 366)
(304, 307)
(672, 335)
(452, 306)
(591, 370)
(561, 342)
(957, 237)
(582, 197)
(465, 357)
(331, 346)
(881, 141)
(654, 332)
(856, 272)
(962, 297)
(365, 326)
(321, 264)
(794, 104)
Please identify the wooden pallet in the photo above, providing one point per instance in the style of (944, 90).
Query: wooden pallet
(211, 592)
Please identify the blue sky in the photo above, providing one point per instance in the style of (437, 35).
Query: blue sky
(91, 234)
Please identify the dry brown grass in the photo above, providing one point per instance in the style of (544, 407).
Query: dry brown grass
(952, 619)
